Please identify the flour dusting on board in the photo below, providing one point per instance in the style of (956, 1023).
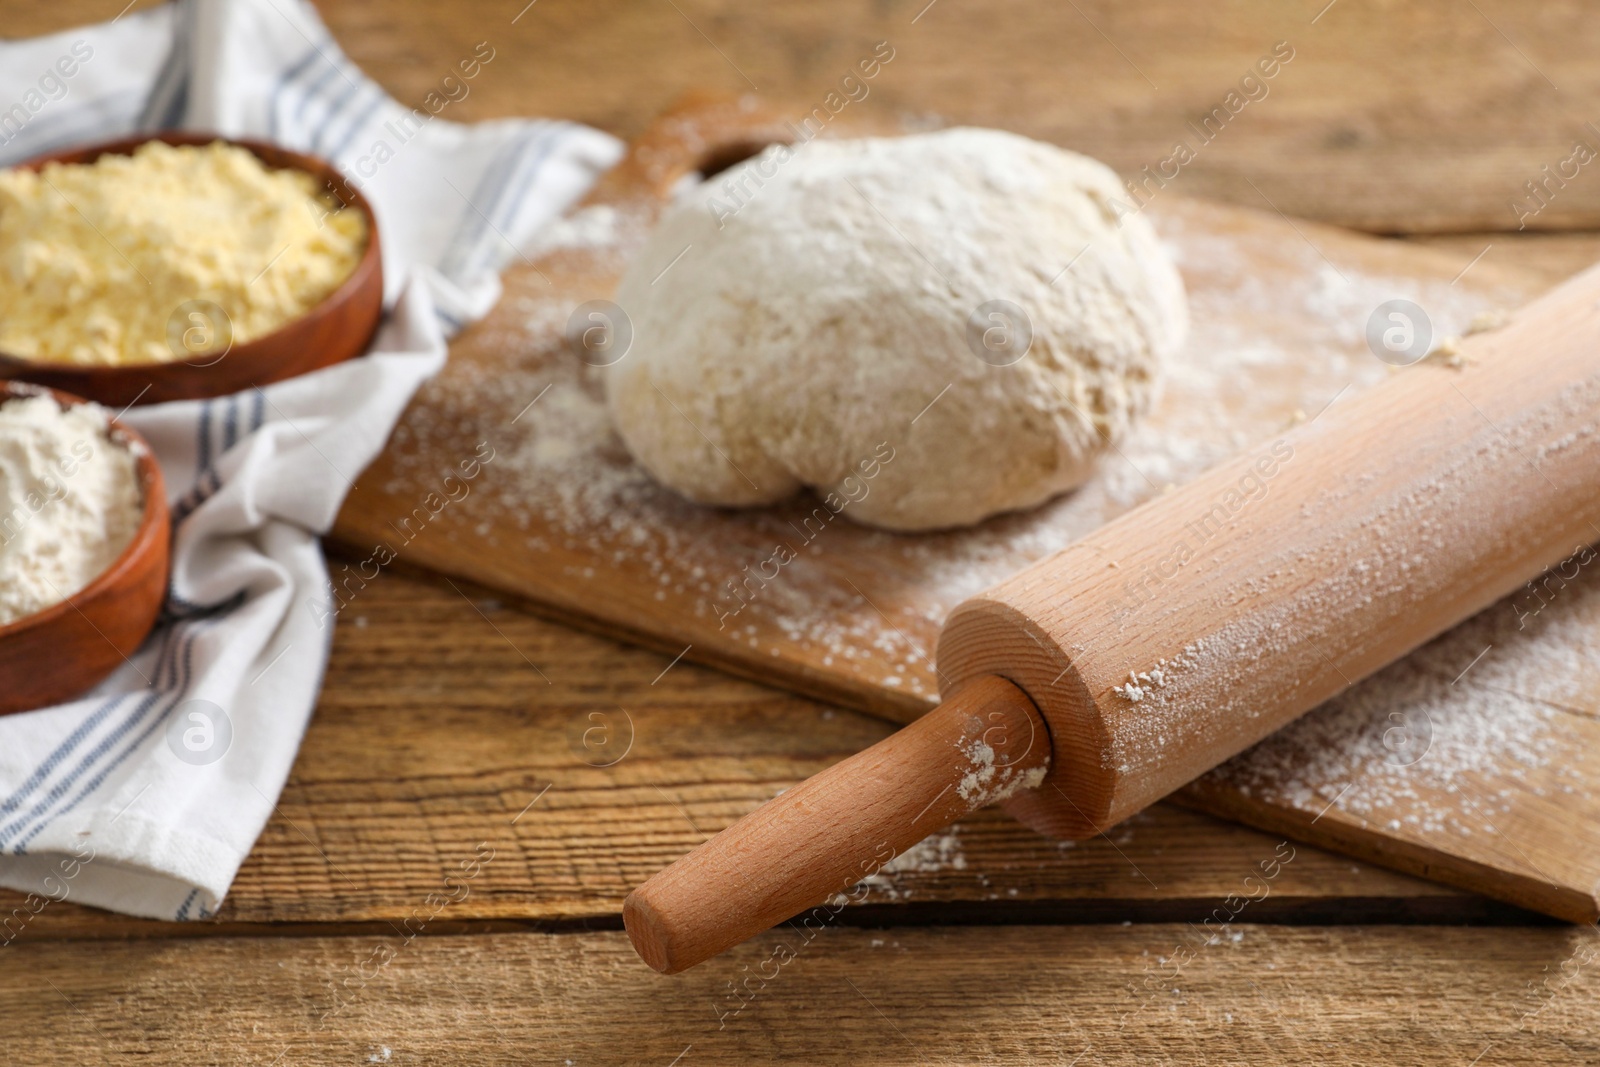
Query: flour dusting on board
(862, 603)
(1406, 748)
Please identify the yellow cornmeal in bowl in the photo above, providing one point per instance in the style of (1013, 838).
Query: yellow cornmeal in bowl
(105, 263)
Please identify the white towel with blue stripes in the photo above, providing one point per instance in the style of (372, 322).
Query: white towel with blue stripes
(146, 795)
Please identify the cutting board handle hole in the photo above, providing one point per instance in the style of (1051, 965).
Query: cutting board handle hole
(720, 157)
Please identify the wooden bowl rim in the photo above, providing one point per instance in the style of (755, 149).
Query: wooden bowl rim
(152, 519)
(313, 165)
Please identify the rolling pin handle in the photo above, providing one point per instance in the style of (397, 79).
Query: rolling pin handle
(814, 842)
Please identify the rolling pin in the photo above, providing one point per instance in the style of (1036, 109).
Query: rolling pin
(1106, 676)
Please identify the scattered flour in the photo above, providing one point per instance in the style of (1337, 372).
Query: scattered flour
(1413, 747)
(939, 852)
(988, 781)
(563, 488)
(592, 227)
(1142, 683)
(931, 855)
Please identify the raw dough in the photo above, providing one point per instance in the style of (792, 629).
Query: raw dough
(795, 317)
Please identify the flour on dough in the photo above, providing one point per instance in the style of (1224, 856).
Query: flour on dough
(797, 335)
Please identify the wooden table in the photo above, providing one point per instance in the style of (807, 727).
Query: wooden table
(443, 877)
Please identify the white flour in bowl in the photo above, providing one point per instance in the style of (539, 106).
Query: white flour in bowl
(70, 502)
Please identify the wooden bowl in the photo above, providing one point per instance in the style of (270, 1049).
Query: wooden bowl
(55, 654)
(339, 327)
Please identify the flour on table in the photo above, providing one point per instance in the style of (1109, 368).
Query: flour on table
(932, 855)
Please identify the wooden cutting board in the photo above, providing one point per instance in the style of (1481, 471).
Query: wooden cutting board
(1474, 761)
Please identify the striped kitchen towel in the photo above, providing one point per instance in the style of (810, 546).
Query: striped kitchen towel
(146, 795)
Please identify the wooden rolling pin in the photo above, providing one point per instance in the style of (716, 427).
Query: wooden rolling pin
(1106, 676)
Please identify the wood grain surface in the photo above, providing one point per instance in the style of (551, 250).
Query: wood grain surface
(1396, 118)
(1150, 994)
(1419, 118)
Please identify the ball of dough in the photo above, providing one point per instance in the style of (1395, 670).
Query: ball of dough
(826, 316)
